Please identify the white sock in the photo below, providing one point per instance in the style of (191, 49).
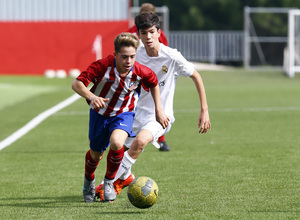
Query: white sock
(125, 165)
(126, 174)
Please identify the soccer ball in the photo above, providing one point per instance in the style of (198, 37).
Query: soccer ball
(142, 192)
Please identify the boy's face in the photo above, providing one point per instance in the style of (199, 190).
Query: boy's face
(125, 59)
(150, 37)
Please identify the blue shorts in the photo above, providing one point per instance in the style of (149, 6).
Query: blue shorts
(101, 127)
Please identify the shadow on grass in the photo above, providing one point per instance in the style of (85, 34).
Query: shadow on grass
(62, 203)
(42, 202)
(44, 152)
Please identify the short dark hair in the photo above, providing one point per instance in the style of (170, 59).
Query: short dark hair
(146, 20)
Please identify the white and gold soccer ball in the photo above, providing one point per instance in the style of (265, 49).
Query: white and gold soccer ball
(143, 192)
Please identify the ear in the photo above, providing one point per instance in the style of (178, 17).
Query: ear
(159, 32)
(115, 54)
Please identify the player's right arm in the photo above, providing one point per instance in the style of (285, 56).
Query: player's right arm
(96, 101)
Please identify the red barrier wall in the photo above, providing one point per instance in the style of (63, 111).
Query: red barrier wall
(33, 47)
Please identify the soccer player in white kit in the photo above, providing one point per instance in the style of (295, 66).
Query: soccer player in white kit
(168, 64)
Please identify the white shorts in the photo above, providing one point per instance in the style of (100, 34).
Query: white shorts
(155, 129)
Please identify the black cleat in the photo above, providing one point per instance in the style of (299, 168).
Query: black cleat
(164, 147)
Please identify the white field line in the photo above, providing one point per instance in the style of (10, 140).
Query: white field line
(37, 120)
(251, 109)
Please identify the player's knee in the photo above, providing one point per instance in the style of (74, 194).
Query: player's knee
(140, 143)
(116, 144)
(96, 156)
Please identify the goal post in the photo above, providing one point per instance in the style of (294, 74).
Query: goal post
(292, 54)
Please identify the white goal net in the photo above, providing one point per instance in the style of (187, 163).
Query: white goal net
(292, 53)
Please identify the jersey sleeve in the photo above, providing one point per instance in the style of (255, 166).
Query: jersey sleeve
(148, 77)
(185, 67)
(94, 71)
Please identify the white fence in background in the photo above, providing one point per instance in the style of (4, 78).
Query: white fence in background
(63, 10)
(208, 46)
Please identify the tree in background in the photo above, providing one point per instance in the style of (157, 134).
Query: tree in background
(216, 14)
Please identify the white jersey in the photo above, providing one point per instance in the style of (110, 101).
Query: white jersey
(168, 65)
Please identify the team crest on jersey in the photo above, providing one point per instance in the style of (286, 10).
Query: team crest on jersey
(132, 85)
(164, 69)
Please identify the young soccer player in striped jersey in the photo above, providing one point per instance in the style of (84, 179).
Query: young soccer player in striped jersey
(168, 64)
(117, 81)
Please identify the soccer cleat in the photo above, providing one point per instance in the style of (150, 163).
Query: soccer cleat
(163, 146)
(100, 193)
(121, 184)
(118, 186)
(109, 193)
(89, 190)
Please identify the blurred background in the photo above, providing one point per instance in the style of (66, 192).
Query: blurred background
(37, 36)
(246, 167)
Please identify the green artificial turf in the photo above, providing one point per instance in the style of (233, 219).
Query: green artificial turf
(246, 167)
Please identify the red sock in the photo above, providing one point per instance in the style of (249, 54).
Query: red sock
(114, 159)
(90, 166)
(162, 138)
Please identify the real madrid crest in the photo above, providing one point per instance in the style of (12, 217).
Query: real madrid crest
(164, 69)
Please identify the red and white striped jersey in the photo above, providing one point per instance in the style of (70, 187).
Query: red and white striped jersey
(123, 92)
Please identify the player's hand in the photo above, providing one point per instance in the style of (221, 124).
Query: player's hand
(204, 122)
(162, 118)
(99, 102)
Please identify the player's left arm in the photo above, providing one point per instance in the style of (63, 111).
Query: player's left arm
(203, 122)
